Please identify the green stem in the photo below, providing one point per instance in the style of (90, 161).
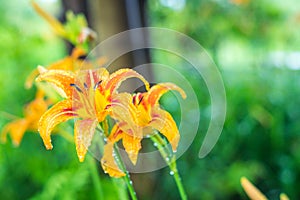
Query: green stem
(92, 165)
(65, 135)
(120, 162)
(166, 154)
(95, 178)
(127, 176)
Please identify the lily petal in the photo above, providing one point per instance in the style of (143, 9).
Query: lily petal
(121, 75)
(83, 135)
(165, 124)
(108, 162)
(131, 142)
(132, 146)
(61, 79)
(17, 129)
(124, 111)
(60, 112)
(153, 95)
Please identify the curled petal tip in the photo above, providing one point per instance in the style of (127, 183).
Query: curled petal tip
(81, 158)
(147, 86)
(108, 162)
(243, 179)
(41, 69)
(16, 144)
(133, 157)
(27, 85)
(183, 94)
(49, 146)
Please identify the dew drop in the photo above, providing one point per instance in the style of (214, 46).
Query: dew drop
(155, 144)
(130, 182)
(167, 159)
(171, 173)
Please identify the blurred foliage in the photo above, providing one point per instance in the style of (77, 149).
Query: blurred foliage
(260, 139)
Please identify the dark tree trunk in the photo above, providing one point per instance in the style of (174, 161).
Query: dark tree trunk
(109, 17)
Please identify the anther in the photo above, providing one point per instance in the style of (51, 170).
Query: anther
(140, 100)
(85, 86)
(97, 84)
(76, 87)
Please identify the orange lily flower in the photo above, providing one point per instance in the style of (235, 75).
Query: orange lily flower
(89, 96)
(32, 113)
(136, 117)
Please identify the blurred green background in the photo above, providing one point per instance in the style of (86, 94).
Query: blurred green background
(255, 44)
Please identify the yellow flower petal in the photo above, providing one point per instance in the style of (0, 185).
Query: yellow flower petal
(251, 190)
(83, 135)
(121, 75)
(131, 142)
(17, 129)
(132, 146)
(153, 95)
(165, 124)
(123, 110)
(61, 79)
(115, 134)
(108, 162)
(60, 112)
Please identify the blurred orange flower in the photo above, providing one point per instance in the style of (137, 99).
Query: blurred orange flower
(32, 113)
(71, 63)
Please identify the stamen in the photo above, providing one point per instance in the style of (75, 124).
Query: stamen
(97, 84)
(140, 100)
(85, 86)
(76, 87)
